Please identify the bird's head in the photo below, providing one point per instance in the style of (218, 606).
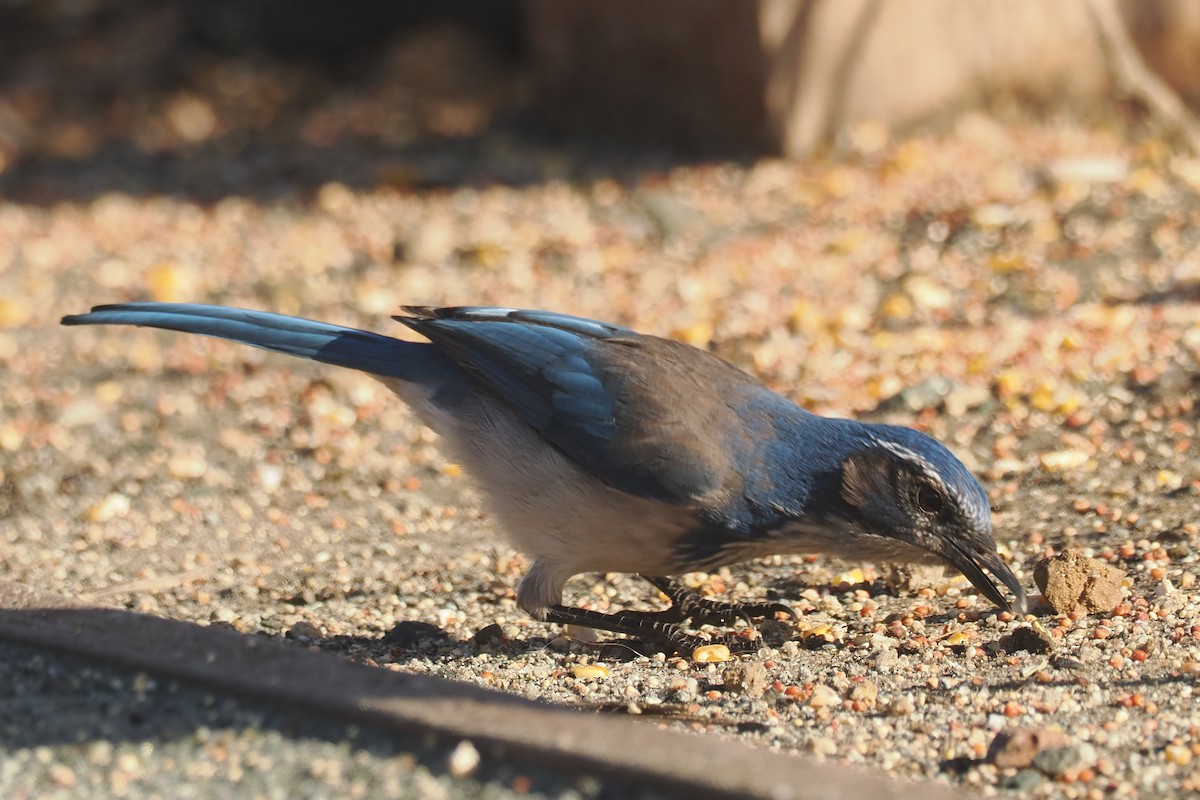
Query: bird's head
(905, 487)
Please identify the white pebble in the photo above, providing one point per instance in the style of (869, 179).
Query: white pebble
(463, 760)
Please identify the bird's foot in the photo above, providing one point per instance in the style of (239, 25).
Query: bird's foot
(688, 604)
(658, 629)
(686, 643)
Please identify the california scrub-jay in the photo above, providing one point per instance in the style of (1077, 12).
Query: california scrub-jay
(606, 450)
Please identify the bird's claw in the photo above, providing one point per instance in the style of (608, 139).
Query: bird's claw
(687, 604)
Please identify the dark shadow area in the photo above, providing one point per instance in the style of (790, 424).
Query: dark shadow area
(185, 704)
(169, 728)
(272, 100)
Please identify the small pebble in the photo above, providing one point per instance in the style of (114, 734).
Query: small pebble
(1178, 754)
(865, 693)
(901, 706)
(304, 631)
(111, 507)
(823, 746)
(823, 697)
(186, 466)
(411, 633)
(464, 759)
(1023, 780)
(1017, 747)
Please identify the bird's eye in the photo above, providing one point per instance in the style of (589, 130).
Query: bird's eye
(929, 500)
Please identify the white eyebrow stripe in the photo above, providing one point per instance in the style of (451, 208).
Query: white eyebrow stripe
(922, 463)
(982, 516)
(912, 457)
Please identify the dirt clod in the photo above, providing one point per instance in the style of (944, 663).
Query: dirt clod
(1027, 638)
(749, 678)
(1071, 580)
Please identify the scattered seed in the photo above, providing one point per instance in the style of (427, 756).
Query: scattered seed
(711, 653)
(589, 671)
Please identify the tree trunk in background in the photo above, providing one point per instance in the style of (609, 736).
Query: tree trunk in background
(687, 73)
(1167, 32)
(788, 75)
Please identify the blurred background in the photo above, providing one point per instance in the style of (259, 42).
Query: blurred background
(777, 179)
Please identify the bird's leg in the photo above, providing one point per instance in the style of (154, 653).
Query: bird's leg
(701, 611)
(661, 628)
(664, 627)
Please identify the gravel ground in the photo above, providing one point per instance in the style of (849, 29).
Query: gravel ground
(1025, 290)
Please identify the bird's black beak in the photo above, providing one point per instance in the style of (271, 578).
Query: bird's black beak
(972, 565)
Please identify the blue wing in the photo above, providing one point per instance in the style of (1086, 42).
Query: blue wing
(536, 360)
(646, 415)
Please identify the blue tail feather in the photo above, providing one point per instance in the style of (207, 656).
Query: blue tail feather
(320, 341)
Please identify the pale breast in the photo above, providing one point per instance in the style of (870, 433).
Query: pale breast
(551, 509)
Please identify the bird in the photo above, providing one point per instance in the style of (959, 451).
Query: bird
(601, 449)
